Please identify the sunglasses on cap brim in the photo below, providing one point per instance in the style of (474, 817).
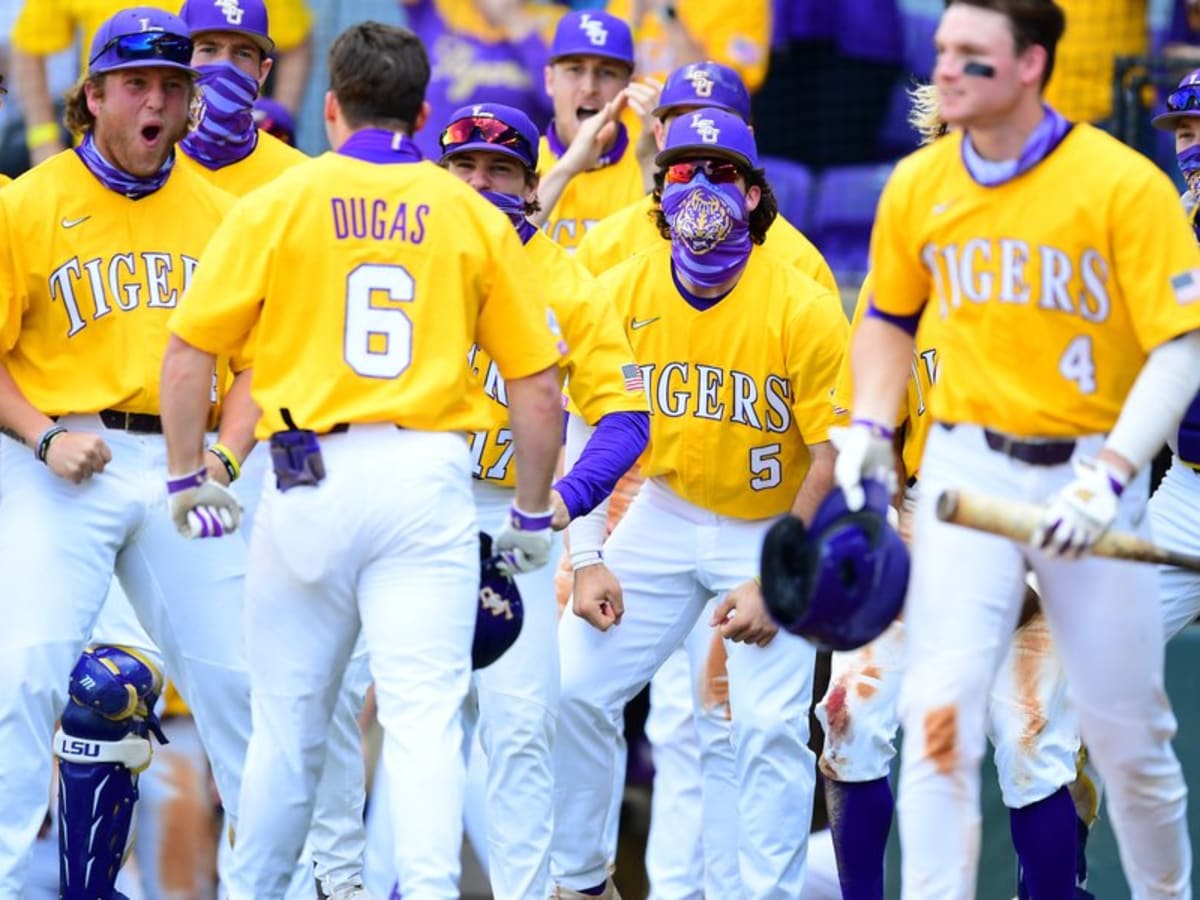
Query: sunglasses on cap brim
(486, 129)
(1184, 99)
(717, 171)
(148, 46)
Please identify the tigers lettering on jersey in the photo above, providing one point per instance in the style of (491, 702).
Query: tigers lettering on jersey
(738, 392)
(384, 310)
(1046, 302)
(92, 289)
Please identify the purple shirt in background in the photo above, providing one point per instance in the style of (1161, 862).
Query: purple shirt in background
(862, 29)
(466, 69)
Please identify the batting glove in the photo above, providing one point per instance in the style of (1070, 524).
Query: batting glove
(202, 508)
(1081, 512)
(864, 452)
(523, 543)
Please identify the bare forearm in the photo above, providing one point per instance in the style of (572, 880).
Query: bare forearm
(550, 189)
(536, 418)
(239, 415)
(19, 419)
(817, 483)
(29, 74)
(185, 403)
(881, 359)
(291, 75)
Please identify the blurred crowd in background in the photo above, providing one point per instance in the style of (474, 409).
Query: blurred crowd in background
(828, 76)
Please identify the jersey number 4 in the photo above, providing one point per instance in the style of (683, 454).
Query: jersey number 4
(1077, 365)
(378, 339)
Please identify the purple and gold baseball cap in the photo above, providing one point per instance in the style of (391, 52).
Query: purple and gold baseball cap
(592, 33)
(141, 37)
(493, 127)
(710, 132)
(705, 83)
(1182, 103)
(248, 17)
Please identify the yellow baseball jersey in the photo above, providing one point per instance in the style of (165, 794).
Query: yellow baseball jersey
(736, 34)
(631, 230)
(737, 392)
(49, 26)
(88, 279)
(920, 384)
(4, 179)
(270, 157)
(367, 285)
(465, 17)
(1046, 300)
(1098, 32)
(602, 376)
(590, 196)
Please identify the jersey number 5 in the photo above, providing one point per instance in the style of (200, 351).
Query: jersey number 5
(378, 339)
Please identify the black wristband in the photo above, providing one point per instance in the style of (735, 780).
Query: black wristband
(231, 467)
(43, 444)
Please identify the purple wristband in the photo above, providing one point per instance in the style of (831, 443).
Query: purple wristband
(187, 482)
(876, 428)
(522, 521)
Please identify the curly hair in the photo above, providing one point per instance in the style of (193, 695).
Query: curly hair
(79, 119)
(925, 116)
(761, 216)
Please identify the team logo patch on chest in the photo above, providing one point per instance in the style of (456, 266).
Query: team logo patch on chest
(705, 221)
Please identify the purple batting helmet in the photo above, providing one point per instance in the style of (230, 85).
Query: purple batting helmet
(593, 33)
(841, 582)
(710, 132)
(141, 37)
(493, 127)
(705, 83)
(1182, 103)
(248, 17)
(500, 613)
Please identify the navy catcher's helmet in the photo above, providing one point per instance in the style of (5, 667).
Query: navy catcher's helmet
(841, 582)
(500, 613)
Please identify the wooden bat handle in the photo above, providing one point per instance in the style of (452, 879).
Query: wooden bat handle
(1017, 522)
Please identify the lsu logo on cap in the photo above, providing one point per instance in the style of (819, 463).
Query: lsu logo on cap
(705, 128)
(702, 84)
(596, 33)
(231, 9)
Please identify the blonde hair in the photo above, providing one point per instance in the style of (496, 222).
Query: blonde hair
(925, 116)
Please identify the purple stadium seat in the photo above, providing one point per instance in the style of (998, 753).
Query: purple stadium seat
(792, 183)
(920, 23)
(843, 213)
(896, 137)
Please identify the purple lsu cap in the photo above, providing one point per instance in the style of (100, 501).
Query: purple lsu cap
(141, 37)
(705, 83)
(248, 17)
(710, 132)
(470, 128)
(592, 33)
(1182, 103)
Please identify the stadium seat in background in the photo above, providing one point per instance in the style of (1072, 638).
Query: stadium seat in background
(896, 137)
(792, 183)
(920, 18)
(843, 213)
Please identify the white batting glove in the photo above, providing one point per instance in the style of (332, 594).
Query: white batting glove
(864, 451)
(523, 543)
(1081, 512)
(202, 508)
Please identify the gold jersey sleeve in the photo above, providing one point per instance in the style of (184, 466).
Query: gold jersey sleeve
(736, 34)
(44, 27)
(88, 280)
(601, 375)
(590, 196)
(1048, 291)
(738, 392)
(631, 230)
(270, 157)
(365, 286)
(921, 379)
(4, 179)
(291, 22)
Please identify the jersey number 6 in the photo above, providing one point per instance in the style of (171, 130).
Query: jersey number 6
(378, 339)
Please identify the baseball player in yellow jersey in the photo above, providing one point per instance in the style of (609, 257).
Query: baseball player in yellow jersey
(4, 179)
(1060, 275)
(591, 64)
(740, 403)
(370, 523)
(99, 243)
(45, 27)
(494, 149)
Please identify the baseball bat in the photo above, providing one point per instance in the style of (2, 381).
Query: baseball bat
(1017, 521)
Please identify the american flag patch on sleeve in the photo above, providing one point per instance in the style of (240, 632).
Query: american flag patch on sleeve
(633, 377)
(1186, 286)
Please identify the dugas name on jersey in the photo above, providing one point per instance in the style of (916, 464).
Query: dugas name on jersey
(679, 389)
(93, 288)
(1007, 270)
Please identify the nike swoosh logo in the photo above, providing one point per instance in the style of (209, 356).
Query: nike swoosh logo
(71, 223)
(940, 208)
(635, 324)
